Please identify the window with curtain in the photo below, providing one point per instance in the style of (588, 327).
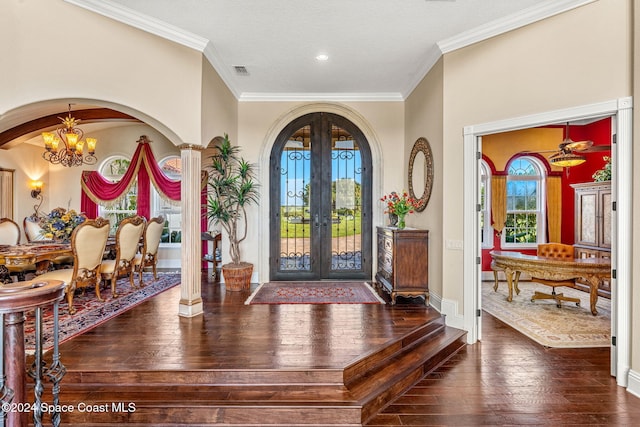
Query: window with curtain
(113, 168)
(485, 206)
(525, 204)
(171, 211)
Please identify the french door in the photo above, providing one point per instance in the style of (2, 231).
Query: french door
(320, 207)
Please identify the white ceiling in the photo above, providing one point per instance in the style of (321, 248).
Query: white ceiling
(378, 49)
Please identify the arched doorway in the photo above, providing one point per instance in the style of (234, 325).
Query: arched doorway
(320, 207)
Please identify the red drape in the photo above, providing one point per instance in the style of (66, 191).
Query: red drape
(98, 190)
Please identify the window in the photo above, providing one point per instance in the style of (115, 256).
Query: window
(485, 206)
(113, 169)
(170, 210)
(525, 204)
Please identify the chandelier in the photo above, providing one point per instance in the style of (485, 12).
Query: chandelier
(65, 146)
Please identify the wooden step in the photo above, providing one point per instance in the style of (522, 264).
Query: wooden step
(345, 397)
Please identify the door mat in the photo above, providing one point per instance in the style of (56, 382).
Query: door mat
(314, 293)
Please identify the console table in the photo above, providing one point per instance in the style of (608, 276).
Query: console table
(403, 262)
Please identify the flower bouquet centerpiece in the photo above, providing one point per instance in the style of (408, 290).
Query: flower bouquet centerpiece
(400, 206)
(59, 224)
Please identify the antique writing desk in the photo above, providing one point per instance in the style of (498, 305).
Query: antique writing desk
(592, 270)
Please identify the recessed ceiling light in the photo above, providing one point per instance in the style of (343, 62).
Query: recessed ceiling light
(322, 57)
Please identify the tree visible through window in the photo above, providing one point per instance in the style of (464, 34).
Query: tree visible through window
(171, 211)
(525, 203)
(114, 169)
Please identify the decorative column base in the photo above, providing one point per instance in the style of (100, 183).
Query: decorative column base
(190, 308)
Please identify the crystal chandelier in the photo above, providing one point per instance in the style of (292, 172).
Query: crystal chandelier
(66, 147)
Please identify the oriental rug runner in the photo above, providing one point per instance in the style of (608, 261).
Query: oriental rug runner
(314, 293)
(91, 312)
(545, 323)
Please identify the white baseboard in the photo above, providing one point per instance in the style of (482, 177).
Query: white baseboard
(633, 385)
(450, 309)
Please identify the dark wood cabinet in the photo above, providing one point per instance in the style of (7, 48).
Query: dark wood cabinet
(593, 226)
(403, 262)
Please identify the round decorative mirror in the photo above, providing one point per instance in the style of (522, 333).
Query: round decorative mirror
(421, 172)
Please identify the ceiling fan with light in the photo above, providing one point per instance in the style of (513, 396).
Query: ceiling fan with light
(569, 152)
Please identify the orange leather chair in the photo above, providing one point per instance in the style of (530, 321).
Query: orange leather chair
(555, 251)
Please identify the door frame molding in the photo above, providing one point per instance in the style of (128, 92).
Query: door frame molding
(264, 175)
(622, 110)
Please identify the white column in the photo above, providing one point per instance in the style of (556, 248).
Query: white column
(190, 295)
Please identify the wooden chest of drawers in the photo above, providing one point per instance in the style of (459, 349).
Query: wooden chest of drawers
(403, 262)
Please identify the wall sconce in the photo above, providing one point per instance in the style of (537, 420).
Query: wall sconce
(36, 189)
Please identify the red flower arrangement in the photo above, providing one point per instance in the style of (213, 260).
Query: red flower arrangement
(400, 205)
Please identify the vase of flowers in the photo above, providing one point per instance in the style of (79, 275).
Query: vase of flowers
(603, 174)
(60, 223)
(400, 206)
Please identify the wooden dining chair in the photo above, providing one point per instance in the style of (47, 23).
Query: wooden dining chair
(10, 235)
(555, 251)
(88, 241)
(151, 242)
(128, 236)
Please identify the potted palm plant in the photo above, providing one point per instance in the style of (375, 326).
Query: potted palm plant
(232, 188)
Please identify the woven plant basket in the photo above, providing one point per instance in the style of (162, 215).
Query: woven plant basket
(237, 277)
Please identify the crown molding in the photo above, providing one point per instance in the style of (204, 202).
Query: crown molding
(143, 22)
(509, 23)
(433, 55)
(332, 97)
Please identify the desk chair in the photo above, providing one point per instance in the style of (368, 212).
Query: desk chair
(555, 251)
(151, 242)
(10, 235)
(128, 237)
(87, 243)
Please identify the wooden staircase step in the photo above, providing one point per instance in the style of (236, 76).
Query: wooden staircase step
(344, 397)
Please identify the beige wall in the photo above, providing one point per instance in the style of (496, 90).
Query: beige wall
(564, 61)
(153, 79)
(424, 116)
(219, 106)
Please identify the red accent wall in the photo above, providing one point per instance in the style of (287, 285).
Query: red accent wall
(600, 133)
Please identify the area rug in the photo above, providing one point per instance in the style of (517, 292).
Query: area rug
(314, 293)
(545, 323)
(91, 312)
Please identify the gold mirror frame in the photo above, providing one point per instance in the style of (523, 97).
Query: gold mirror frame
(422, 146)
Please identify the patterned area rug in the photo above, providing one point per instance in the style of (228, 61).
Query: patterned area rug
(545, 323)
(91, 312)
(314, 293)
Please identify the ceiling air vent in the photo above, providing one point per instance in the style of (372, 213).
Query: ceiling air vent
(241, 70)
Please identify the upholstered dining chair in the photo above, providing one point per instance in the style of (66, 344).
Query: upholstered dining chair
(88, 241)
(151, 242)
(555, 251)
(32, 229)
(128, 236)
(10, 235)
(33, 233)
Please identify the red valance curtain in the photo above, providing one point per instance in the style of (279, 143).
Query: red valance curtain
(96, 190)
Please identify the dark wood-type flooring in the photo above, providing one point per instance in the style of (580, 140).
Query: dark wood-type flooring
(328, 365)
